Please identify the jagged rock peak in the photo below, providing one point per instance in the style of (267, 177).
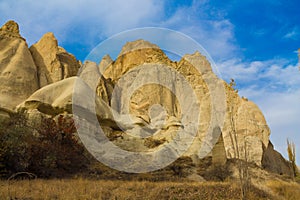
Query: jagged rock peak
(17, 69)
(197, 59)
(107, 58)
(196, 55)
(104, 63)
(48, 40)
(53, 62)
(137, 44)
(10, 29)
(10, 26)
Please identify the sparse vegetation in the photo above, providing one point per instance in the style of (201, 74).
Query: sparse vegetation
(241, 154)
(292, 157)
(48, 150)
(285, 190)
(95, 189)
(217, 173)
(15, 139)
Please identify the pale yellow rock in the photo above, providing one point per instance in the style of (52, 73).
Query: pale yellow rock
(53, 62)
(134, 54)
(104, 63)
(18, 79)
(219, 153)
(250, 125)
(91, 75)
(246, 126)
(56, 98)
(127, 97)
(10, 30)
(137, 45)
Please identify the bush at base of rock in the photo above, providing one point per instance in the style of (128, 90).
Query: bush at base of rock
(52, 152)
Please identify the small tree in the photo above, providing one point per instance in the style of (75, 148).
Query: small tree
(241, 154)
(15, 136)
(292, 156)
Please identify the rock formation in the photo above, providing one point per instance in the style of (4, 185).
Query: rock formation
(105, 62)
(53, 62)
(18, 79)
(250, 127)
(23, 71)
(159, 108)
(274, 162)
(141, 90)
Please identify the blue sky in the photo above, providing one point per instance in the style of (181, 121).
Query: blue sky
(254, 42)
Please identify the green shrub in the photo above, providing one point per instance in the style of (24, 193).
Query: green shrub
(15, 138)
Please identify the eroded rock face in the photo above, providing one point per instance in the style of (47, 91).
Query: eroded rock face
(131, 95)
(10, 30)
(245, 128)
(56, 98)
(274, 162)
(105, 62)
(132, 55)
(53, 62)
(249, 130)
(18, 78)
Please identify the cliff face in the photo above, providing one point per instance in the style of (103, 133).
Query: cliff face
(250, 130)
(53, 62)
(24, 70)
(41, 79)
(18, 79)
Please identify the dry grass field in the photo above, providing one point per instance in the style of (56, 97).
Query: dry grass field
(286, 190)
(73, 189)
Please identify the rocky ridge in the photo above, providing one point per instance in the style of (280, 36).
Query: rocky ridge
(40, 81)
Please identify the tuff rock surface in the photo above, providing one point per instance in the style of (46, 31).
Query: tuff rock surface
(24, 70)
(53, 62)
(18, 79)
(129, 97)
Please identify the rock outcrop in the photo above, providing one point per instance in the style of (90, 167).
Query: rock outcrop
(141, 90)
(56, 98)
(18, 78)
(274, 162)
(145, 84)
(53, 62)
(249, 132)
(24, 70)
(105, 62)
(10, 30)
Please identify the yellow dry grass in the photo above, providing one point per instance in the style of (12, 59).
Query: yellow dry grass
(284, 190)
(99, 189)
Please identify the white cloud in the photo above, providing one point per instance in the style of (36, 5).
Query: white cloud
(239, 70)
(215, 34)
(293, 34)
(89, 22)
(88, 19)
(269, 74)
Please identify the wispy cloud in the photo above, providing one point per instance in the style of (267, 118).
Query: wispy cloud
(276, 74)
(207, 27)
(293, 34)
(81, 20)
(89, 22)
